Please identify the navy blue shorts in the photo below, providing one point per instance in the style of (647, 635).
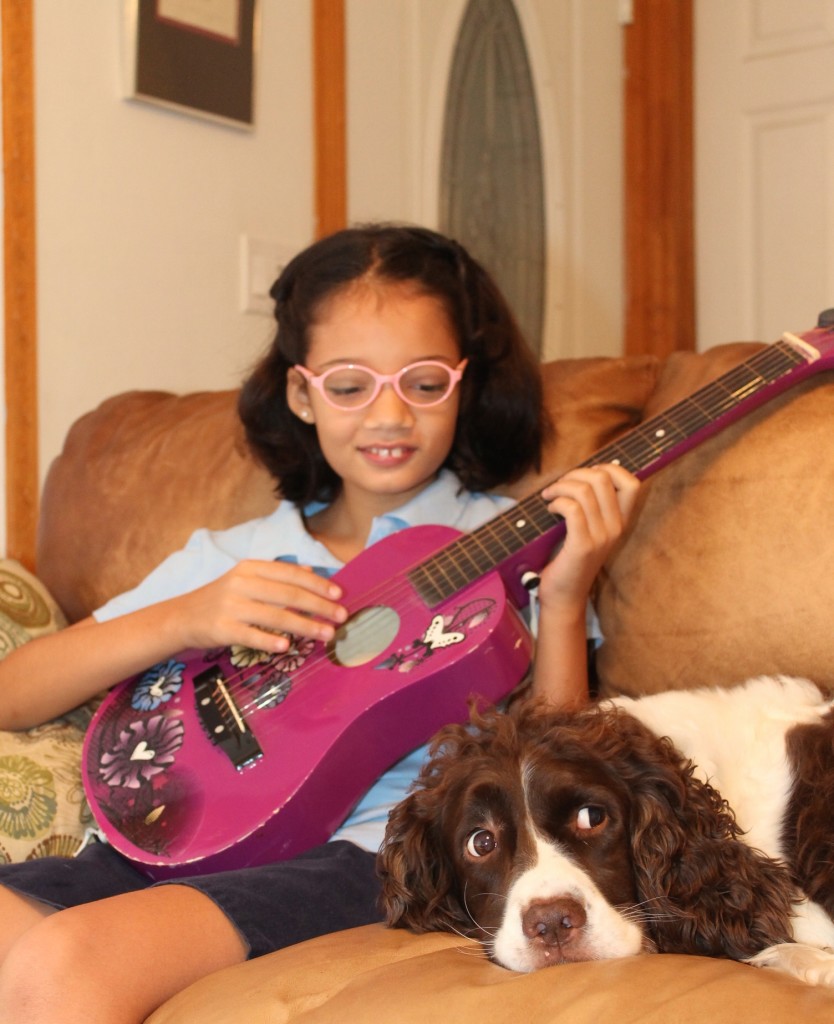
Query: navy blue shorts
(329, 888)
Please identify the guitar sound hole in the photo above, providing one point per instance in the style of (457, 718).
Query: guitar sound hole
(364, 636)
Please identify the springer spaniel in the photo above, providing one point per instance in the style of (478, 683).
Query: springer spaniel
(686, 822)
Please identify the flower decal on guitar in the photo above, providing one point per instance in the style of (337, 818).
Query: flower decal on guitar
(270, 678)
(247, 657)
(442, 631)
(142, 750)
(158, 685)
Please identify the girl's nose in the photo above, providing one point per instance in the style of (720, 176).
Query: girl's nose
(388, 409)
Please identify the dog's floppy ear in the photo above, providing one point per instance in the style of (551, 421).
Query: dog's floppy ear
(417, 880)
(417, 872)
(702, 889)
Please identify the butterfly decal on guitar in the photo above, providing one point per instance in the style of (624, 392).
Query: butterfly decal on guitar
(437, 639)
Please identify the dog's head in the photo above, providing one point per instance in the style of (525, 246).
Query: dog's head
(571, 836)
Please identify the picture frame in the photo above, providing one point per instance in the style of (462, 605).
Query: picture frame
(194, 56)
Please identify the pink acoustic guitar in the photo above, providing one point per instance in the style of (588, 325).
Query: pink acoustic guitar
(228, 758)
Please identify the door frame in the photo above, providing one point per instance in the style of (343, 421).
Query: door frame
(658, 185)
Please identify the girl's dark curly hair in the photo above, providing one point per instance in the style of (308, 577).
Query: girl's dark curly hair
(501, 423)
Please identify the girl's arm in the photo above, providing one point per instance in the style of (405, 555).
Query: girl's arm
(596, 503)
(251, 605)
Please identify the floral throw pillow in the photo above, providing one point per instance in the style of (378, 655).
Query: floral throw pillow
(42, 806)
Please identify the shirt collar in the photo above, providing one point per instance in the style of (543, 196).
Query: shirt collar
(421, 510)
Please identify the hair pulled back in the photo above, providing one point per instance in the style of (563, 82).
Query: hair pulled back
(501, 421)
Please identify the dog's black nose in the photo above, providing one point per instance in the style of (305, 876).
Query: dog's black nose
(554, 922)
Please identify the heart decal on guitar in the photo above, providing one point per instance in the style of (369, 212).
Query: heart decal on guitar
(142, 752)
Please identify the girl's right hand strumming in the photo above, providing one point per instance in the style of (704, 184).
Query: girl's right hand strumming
(257, 603)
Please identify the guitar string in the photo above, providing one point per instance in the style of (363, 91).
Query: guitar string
(684, 418)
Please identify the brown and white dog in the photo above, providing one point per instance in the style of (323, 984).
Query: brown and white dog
(688, 822)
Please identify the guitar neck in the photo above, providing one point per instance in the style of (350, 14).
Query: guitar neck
(520, 540)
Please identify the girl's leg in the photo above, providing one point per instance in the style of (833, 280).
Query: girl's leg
(117, 959)
(18, 914)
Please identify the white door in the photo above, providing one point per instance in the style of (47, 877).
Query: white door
(764, 179)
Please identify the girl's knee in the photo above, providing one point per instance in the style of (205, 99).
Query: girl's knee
(50, 965)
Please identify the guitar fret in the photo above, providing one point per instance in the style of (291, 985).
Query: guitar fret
(474, 554)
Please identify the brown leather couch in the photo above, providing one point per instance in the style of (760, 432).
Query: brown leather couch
(727, 572)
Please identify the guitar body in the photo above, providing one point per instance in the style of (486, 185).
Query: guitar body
(230, 758)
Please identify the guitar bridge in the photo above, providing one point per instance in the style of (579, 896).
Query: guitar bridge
(222, 720)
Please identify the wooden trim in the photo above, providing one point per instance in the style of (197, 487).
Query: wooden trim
(659, 204)
(330, 115)
(20, 281)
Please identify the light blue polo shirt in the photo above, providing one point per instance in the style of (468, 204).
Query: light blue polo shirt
(282, 535)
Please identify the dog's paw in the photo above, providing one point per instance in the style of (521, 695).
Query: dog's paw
(810, 964)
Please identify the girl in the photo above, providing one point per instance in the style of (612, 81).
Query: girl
(396, 392)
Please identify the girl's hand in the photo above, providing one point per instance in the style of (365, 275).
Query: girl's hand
(257, 603)
(596, 503)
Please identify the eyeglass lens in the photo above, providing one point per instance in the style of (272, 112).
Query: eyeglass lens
(351, 387)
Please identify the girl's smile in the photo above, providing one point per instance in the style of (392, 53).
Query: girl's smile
(387, 456)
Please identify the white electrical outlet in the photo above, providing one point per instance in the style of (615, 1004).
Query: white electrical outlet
(261, 261)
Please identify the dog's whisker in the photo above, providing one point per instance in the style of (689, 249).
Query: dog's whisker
(479, 950)
(471, 916)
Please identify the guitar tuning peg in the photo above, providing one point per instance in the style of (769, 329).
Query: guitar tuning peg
(826, 318)
(530, 580)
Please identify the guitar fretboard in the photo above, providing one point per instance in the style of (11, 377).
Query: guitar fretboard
(473, 555)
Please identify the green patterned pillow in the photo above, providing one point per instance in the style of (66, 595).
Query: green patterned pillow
(42, 806)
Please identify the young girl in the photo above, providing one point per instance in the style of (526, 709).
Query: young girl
(397, 391)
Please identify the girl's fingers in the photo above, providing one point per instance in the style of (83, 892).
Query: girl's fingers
(291, 587)
(257, 603)
(606, 495)
(595, 503)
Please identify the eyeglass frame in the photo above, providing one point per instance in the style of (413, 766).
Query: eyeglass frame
(380, 379)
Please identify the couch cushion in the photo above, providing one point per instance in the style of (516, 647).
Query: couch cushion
(726, 570)
(372, 975)
(135, 478)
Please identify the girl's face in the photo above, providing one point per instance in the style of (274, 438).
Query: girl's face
(388, 451)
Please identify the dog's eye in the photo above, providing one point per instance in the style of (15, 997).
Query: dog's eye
(590, 817)
(480, 843)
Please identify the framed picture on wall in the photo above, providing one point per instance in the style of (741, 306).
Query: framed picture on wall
(196, 56)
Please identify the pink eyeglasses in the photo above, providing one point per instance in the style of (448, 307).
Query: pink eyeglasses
(353, 387)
